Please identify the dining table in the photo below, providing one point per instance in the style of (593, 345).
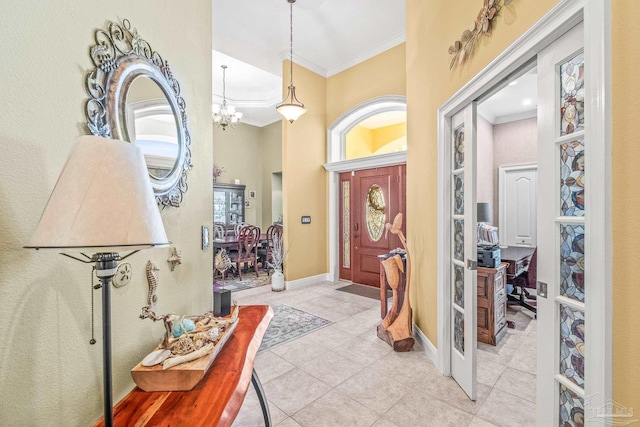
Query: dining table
(230, 241)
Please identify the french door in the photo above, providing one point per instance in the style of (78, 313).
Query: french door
(368, 200)
(462, 271)
(563, 284)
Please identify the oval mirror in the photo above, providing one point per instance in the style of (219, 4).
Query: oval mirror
(152, 126)
(135, 97)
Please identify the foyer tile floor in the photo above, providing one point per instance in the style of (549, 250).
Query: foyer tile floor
(343, 375)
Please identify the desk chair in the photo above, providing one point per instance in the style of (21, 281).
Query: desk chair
(523, 290)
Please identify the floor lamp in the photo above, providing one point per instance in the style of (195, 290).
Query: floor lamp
(102, 204)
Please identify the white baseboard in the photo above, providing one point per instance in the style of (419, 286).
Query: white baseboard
(306, 281)
(429, 349)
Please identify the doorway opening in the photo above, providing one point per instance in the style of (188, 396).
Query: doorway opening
(506, 192)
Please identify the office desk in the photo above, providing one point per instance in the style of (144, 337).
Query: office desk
(518, 259)
(217, 399)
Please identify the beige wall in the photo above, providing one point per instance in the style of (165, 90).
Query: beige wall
(514, 143)
(626, 200)
(386, 134)
(384, 74)
(484, 170)
(271, 152)
(49, 373)
(358, 143)
(304, 181)
(431, 27)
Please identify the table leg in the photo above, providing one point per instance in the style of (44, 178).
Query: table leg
(262, 398)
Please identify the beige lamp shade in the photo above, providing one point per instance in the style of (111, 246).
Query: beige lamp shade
(103, 201)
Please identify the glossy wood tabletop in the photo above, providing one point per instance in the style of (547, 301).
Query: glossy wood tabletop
(217, 399)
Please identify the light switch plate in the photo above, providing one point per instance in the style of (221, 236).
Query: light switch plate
(205, 237)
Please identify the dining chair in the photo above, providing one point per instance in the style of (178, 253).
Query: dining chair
(273, 232)
(219, 230)
(248, 241)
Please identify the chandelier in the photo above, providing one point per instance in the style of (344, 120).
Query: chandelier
(225, 115)
(291, 108)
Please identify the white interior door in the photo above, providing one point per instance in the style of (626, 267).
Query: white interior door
(561, 238)
(518, 204)
(464, 250)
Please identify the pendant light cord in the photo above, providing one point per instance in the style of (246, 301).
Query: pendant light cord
(291, 44)
(224, 85)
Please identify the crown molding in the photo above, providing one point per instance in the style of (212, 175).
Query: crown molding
(368, 54)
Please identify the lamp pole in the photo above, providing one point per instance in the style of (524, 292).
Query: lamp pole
(106, 267)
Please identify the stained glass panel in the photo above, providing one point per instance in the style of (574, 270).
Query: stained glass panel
(458, 239)
(458, 194)
(458, 147)
(572, 344)
(458, 285)
(572, 178)
(571, 408)
(572, 95)
(572, 261)
(375, 212)
(458, 331)
(346, 224)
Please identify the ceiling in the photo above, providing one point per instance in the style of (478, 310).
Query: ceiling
(516, 101)
(251, 37)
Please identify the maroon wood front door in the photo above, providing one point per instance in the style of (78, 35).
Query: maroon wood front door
(374, 197)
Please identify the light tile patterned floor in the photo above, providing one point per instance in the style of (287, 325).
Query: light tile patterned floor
(344, 375)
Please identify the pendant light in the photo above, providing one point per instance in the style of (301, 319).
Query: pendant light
(225, 115)
(291, 108)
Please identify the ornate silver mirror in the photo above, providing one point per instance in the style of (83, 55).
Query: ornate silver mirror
(134, 97)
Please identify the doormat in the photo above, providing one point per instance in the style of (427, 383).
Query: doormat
(289, 323)
(364, 291)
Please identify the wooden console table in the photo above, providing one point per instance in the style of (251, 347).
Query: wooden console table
(217, 399)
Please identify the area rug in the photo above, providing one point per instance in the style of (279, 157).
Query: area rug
(289, 323)
(364, 291)
(249, 280)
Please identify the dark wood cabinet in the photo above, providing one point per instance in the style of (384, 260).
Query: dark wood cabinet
(228, 204)
(492, 304)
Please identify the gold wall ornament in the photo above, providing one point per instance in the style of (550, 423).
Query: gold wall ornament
(463, 48)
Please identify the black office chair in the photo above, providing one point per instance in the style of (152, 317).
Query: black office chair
(524, 286)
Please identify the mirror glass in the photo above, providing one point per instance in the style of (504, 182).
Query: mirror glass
(152, 126)
(134, 96)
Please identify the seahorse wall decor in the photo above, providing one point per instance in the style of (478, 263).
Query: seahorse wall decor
(396, 327)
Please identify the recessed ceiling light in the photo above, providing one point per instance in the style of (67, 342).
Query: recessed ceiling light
(513, 83)
(527, 101)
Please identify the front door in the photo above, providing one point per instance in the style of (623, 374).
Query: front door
(563, 284)
(369, 199)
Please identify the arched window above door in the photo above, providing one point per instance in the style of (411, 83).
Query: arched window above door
(373, 132)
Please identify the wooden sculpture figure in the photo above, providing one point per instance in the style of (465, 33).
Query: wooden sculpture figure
(396, 327)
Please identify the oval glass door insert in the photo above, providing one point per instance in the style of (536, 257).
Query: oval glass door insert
(375, 212)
